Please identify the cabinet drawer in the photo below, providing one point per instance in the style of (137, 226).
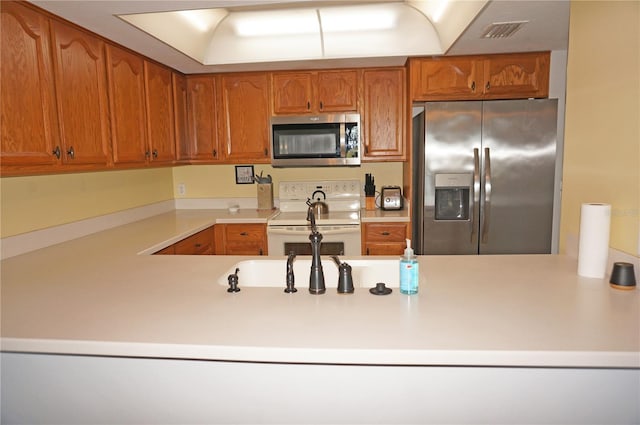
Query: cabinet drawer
(385, 232)
(200, 243)
(244, 232)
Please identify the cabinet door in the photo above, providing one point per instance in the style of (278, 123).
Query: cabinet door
(29, 130)
(160, 124)
(245, 117)
(384, 238)
(384, 106)
(180, 115)
(125, 75)
(201, 119)
(81, 93)
(201, 243)
(241, 239)
(517, 76)
(337, 91)
(458, 78)
(292, 92)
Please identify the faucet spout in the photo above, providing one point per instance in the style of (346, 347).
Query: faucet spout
(316, 276)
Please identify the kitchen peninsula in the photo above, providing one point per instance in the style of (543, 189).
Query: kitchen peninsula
(96, 330)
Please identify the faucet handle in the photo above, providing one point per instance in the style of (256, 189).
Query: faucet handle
(233, 282)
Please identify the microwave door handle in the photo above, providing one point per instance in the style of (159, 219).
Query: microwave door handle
(487, 196)
(343, 140)
(475, 193)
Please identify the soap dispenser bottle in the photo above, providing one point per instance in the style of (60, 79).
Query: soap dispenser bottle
(408, 271)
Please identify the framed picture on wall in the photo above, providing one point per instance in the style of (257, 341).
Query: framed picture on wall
(244, 174)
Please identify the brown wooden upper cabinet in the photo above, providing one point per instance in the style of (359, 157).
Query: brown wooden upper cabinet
(125, 73)
(508, 76)
(140, 109)
(312, 92)
(180, 102)
(161, 148)
(383, 114)
(202, 124)
(29, 134)
(244, 117)
(81, 94)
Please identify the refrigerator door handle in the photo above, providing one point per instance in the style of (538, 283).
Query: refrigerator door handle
(475, 192)
(487, 196)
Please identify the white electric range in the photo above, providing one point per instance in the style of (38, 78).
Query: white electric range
(289, 230)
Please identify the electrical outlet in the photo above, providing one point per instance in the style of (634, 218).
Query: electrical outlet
(182, 189)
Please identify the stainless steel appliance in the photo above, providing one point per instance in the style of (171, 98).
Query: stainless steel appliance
(289, 230)
(391, 198)
(484, 181)
(315, 140)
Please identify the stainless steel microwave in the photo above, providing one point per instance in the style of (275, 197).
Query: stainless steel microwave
(315, 140)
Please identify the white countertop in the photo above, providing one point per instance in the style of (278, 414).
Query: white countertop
(97, 295)
(381, 216)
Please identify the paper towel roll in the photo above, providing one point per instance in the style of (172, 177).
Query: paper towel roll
(593, 250)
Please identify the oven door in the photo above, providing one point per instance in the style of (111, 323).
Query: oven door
(336, 240)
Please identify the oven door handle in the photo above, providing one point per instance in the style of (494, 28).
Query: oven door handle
(324, 231)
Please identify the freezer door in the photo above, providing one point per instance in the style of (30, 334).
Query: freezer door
(450, 216)
(517, 176)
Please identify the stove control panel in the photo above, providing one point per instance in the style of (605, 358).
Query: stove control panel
(333, 189)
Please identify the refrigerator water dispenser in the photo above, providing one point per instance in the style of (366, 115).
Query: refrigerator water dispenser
(452, 196)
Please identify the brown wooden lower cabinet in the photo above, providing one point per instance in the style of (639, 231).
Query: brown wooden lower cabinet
(201, 243)
(241, 239)
(384, 238)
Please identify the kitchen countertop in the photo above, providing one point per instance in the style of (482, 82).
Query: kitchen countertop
(98, 295)
(381, 216)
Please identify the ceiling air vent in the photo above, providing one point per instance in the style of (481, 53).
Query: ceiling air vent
(502, 29)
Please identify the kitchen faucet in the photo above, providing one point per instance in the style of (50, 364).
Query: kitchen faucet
(316, 277)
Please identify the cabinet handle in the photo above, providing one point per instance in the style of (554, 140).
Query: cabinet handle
(244, 234)
(266, 152)
(321, 106)
(198, 245)
(147, 154)
(215, 153)
(366, 148)
(385, 233)
(260, 251)
(308, 105)
(155, 153)
(473, 86)
(71, 153)
(367, 251)
(56, 152)
(488, 86)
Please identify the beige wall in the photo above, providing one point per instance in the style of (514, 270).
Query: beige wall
(32, 203)
(38, 202)
(602, 130)
(208, 181)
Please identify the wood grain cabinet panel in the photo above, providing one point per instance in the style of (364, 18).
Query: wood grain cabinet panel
(507, 76)
(245, 117)
(201, 243)
(81, 93)
(202, 124)
(384, 238)
(384, 114)
(241, 239)
(160, 118)
(312, 92)
(125, 75)
(180, 102)
(446, 78)
(522, 74)
(29, 131)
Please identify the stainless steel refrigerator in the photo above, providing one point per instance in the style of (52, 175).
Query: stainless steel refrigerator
(484, 176)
